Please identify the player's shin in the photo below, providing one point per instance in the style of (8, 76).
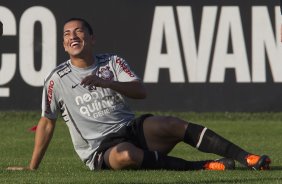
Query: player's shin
(208, 141)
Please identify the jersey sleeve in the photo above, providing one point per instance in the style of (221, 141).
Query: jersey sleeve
(123, 71)
(49, 102)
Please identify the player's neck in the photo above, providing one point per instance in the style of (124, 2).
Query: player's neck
(82, 62)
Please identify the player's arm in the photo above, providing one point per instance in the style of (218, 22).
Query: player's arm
(134, 89)
(44, 133)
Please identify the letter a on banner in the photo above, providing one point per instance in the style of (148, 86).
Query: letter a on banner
(164, 25)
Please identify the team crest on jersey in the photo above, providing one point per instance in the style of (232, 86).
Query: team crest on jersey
(64, 71)
(106, 73)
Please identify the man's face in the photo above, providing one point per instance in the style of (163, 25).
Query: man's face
(77, 40)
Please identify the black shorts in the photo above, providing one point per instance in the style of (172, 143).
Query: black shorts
(132, 133)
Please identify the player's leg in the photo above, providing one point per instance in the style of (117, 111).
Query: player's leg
(123, 156)
(127, 156)
(163, 133)
(208, 141)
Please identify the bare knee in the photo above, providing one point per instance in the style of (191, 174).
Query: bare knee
(123, 156)
(126, 158)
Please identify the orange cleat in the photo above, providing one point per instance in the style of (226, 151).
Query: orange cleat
(257, 162)
(220, 164)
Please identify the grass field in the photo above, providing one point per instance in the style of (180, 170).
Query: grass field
(259, 133)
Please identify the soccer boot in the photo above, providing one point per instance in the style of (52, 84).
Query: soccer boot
(220, 164)
(257, 162)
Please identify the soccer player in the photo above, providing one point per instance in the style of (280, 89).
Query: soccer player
(89, 92)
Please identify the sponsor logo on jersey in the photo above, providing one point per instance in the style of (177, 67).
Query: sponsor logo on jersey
(123, 65)
(106, 73)
(64, 71)
(99, 103)
(49, 96)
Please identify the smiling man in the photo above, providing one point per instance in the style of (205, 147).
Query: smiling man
(89, 91)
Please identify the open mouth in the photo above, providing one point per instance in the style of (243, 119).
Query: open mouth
(74, 44)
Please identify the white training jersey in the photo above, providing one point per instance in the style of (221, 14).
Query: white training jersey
(90, 114)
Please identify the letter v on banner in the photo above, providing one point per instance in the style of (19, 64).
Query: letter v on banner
(197, 60)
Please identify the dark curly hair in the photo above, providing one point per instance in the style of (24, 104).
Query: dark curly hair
(85, 23)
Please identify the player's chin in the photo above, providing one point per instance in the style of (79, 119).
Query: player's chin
(75, 52)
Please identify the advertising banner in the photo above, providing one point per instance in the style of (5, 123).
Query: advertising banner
(202, 56)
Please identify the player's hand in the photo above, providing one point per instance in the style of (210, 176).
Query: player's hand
(93, 81)
(19, 168)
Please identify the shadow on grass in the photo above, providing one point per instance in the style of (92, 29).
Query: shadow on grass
(272, 168)
(219, 181)
(244, 180)
(276, 168)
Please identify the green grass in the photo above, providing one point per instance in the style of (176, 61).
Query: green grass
(257, 132)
